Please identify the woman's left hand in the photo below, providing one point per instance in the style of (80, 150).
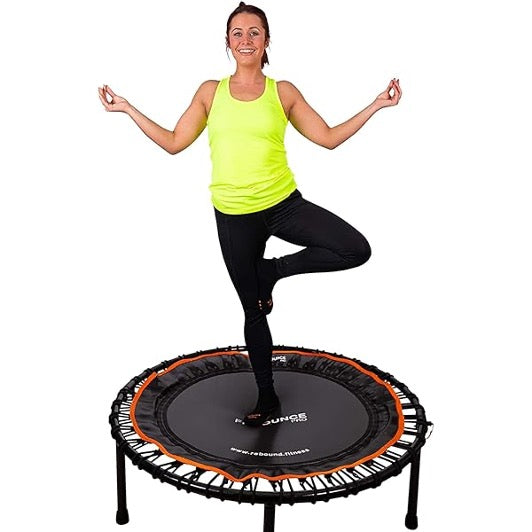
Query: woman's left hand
(384, 99)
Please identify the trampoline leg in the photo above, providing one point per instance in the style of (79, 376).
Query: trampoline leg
(269, 517)
(411, 516)
(122, 516)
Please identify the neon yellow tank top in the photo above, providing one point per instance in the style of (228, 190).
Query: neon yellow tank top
(249, 166)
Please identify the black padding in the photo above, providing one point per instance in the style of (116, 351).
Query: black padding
(332, 415)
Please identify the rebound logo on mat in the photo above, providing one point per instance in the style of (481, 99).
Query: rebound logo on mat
(293, 418)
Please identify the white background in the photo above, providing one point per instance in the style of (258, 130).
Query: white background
(111, 263)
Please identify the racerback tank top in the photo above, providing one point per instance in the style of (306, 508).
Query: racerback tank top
(249, 166)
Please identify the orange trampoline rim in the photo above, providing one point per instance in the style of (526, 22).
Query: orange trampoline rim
(200, 465)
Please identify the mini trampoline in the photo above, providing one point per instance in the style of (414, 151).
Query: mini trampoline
(344, 426)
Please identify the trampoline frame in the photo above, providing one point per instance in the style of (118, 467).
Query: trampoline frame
(312, 488)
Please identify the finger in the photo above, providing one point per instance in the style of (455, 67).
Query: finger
(103, 96)
(111, 101)
(104, 103)
(397, 88)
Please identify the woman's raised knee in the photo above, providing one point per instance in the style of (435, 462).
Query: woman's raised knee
(358, 254)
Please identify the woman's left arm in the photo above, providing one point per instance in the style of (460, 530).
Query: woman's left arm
(312, 126)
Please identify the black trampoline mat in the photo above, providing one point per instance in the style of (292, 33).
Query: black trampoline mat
(208, 415)
(333, 414)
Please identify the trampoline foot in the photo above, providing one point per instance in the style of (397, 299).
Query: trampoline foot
(411, 515)
(411, 522)
(122, 517)
(269, 517)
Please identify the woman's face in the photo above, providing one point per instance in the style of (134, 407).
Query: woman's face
(247, 38)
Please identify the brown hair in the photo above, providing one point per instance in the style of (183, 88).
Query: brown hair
(246, 8)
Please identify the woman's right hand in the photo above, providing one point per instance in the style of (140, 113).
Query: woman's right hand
(117, 103)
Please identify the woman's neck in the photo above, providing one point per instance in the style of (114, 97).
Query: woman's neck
(248, 76)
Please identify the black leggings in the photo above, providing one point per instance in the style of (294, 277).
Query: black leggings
(331, 244)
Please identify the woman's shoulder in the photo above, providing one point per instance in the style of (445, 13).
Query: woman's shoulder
(206, 92)
(284, 83)
(288, 89)
(288, 93)
(209, 85)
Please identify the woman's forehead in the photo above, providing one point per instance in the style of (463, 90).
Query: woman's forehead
(245, 21)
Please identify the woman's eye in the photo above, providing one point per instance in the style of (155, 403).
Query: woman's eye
(239, 34)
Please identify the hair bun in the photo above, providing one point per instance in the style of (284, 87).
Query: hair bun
(241, 4)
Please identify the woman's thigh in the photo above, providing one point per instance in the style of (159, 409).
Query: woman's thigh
(304, 223)
(243, 241)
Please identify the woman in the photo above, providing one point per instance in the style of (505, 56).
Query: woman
(253, 190)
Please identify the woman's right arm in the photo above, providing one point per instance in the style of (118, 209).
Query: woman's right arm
(186, 131)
